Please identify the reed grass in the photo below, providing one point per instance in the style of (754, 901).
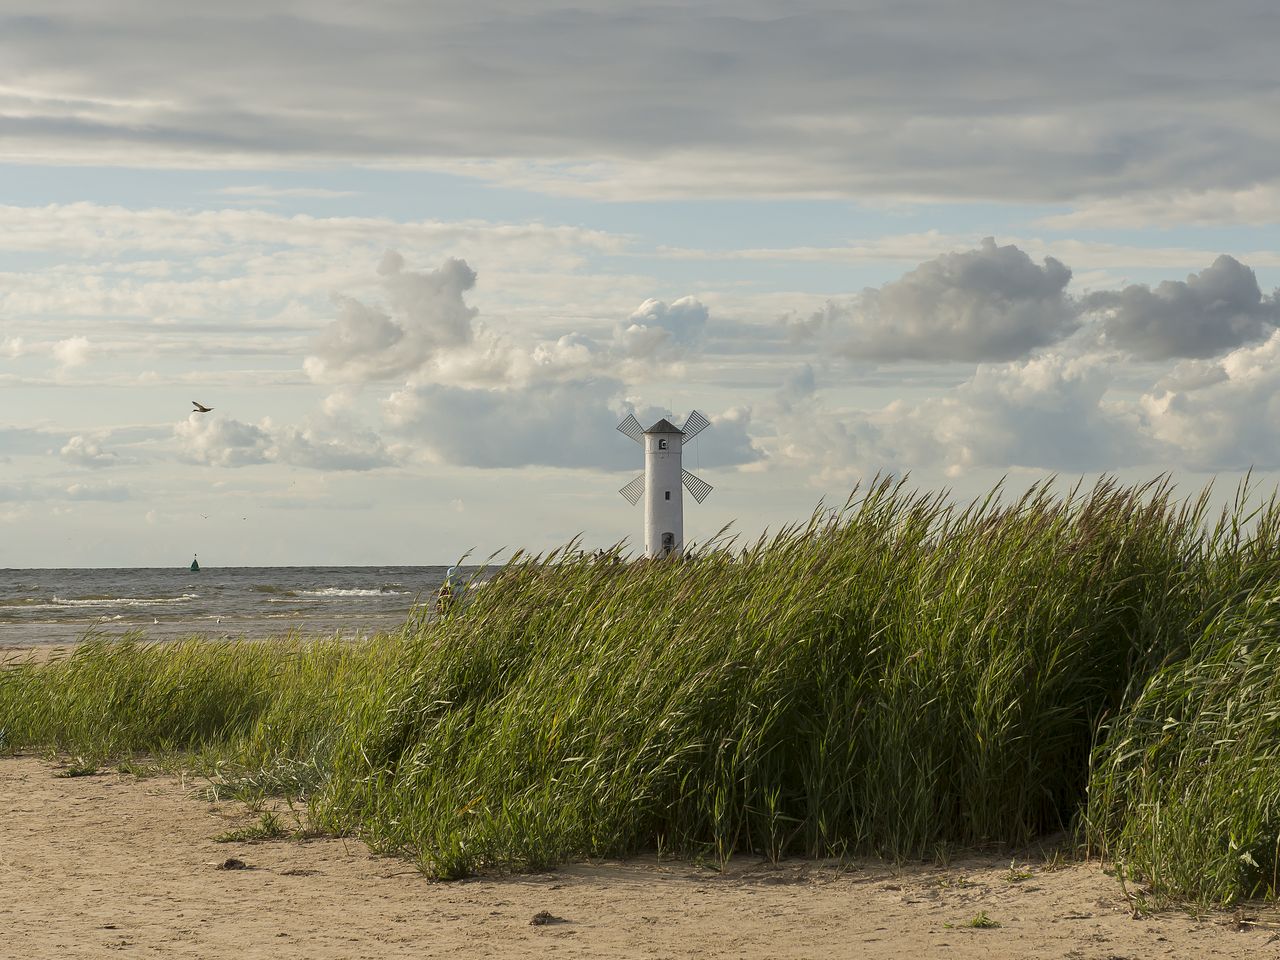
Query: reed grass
(269, 710)
(895, 677)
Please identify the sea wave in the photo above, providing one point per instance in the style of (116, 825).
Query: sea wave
(352, 592)
(114, 601)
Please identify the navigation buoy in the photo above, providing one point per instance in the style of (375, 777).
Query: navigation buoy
(195, 566)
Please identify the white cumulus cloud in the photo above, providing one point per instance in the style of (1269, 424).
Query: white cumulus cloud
(1224, 414)
(86, 452)
(71, 353)
(327, 445)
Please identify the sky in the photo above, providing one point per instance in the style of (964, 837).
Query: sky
(421, 258)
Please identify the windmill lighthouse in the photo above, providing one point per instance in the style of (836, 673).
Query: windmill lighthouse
(663, 481)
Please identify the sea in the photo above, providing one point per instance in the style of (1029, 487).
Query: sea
(61, 606)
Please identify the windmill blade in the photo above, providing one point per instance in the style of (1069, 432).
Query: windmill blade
(634, 490)
(694, 425)
(631, 427)
(699, 488)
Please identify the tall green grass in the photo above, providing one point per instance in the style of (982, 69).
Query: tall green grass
(892, 677)
(270, 708)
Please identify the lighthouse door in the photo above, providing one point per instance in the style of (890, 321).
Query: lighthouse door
(668, 543)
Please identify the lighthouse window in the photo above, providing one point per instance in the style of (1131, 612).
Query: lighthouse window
(662, 444)
(668, 495)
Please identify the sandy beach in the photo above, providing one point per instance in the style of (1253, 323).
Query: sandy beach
(111, 865)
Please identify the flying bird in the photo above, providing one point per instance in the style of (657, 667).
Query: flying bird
(200, 407)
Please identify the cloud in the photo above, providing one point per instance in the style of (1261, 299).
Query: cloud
(556, 425)
(270, 193)
(38, 492)
(71, 353)
(222, 441)
(85, 452)
(225, 442)
(1258, 204)
(724, 97)
(426, 333)
(427, 314)
(992, 303)
(1050, 412)
(1224, 414)
(19, 441)
(797, 388)
(728, 442)
(112, 492)
(657, 329)
(319, 449)
(570, 424)
(1210, 312)
(915, 247)
(176, 284)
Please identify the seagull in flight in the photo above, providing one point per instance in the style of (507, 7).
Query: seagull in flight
(200, 407)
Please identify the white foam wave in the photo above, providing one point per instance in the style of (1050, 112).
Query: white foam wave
(115, 601)
(345, 592)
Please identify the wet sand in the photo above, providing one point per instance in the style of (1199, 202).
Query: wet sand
(112, 865)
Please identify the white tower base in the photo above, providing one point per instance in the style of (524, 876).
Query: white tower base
(663, 491)
(664, 480)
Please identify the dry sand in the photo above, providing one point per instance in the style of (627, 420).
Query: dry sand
(34, 653)
(112, 865)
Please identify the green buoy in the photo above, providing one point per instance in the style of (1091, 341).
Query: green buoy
(195, 567)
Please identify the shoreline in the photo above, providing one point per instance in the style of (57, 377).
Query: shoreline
(113, 861)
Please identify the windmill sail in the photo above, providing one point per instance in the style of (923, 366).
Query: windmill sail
(631, 427)
(633, 490)
(699, 488)
(694, 424)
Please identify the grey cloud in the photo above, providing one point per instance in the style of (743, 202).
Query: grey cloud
(797, 388)
(316, 451)
(728, 442)
(1047, 413)
(112, 492)
(1209, 313)
(570, 424)
(556, 425)
(19, 493)
(993, 303)
(18, 441)
(1090, 99)
(427, 314)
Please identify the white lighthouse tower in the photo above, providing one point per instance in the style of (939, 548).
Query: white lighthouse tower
(663, 481)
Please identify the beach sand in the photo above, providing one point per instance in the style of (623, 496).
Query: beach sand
(112, 865)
